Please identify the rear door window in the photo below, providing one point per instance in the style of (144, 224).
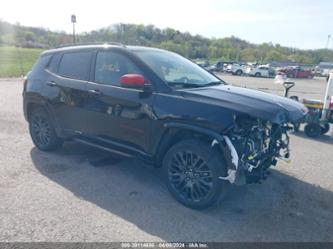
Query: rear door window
(75, 65)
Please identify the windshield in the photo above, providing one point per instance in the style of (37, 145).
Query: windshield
(176, 70)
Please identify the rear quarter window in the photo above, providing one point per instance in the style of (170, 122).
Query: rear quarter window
(75, 65)
(40, 65)
(54, 63)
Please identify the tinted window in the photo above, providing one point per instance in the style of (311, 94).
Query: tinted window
(41, 64)
(110, 66)
(53, 65)
(75, 65)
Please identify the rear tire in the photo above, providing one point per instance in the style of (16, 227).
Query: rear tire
(42, 131)
(257, 74)
(312, 130)
(191, 169)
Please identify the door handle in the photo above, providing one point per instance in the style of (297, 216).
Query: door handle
(51, 83)
(94, 92)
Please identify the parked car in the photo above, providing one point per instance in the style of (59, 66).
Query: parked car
(297, 72)
(220, 66)
(202, 63)
(217, 67)
(262, 71)
(238, 69)
(162, 108)
(323, 68)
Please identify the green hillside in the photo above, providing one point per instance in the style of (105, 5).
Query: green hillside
(17, 61)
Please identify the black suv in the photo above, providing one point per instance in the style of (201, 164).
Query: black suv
(158, 106)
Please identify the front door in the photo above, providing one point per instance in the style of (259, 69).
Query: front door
(118, 115)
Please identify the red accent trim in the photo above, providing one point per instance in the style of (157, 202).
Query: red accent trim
(331, 104)
(132, 80)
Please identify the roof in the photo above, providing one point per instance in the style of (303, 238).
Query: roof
(73, 47)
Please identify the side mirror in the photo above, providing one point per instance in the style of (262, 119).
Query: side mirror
(133, 81)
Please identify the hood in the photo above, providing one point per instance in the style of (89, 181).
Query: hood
(254, 103)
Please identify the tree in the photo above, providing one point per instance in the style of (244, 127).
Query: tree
(191, 46)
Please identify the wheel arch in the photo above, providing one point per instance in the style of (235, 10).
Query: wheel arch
(176, 132)
(33, 105)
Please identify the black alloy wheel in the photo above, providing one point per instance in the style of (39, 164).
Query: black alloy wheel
(42, 131)
(190, 176)
(192, 169)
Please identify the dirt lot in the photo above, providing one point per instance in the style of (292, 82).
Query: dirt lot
(61, 197)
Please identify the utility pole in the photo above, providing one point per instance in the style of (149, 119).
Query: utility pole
(73, 20)
(328, 41)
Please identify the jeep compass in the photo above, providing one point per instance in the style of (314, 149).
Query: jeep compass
(156, 105)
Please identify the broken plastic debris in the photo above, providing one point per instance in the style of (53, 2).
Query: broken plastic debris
(231, 177)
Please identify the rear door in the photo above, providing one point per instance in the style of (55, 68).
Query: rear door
(118, 115)
(67, 89)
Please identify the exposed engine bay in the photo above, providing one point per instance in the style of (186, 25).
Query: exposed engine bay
(252, 146)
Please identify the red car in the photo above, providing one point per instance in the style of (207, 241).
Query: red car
(297, 72)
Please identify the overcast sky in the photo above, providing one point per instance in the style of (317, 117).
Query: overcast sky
(294, 23)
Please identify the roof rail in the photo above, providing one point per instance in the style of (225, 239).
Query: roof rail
(90, 43)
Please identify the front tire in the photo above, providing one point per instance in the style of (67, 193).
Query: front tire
(312, 130)
(42, 131)
(191, 169)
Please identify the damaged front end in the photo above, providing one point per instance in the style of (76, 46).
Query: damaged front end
(251, 146)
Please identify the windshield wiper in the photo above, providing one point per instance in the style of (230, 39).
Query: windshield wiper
(183, 84)
(214, 83)
(192, 85)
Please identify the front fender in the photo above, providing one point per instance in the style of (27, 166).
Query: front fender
(194, 128)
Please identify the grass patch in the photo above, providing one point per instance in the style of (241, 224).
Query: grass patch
(15, 62)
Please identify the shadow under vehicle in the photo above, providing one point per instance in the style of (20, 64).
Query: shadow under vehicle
(280, 209)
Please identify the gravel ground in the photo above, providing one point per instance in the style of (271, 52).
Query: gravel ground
(60, 196)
